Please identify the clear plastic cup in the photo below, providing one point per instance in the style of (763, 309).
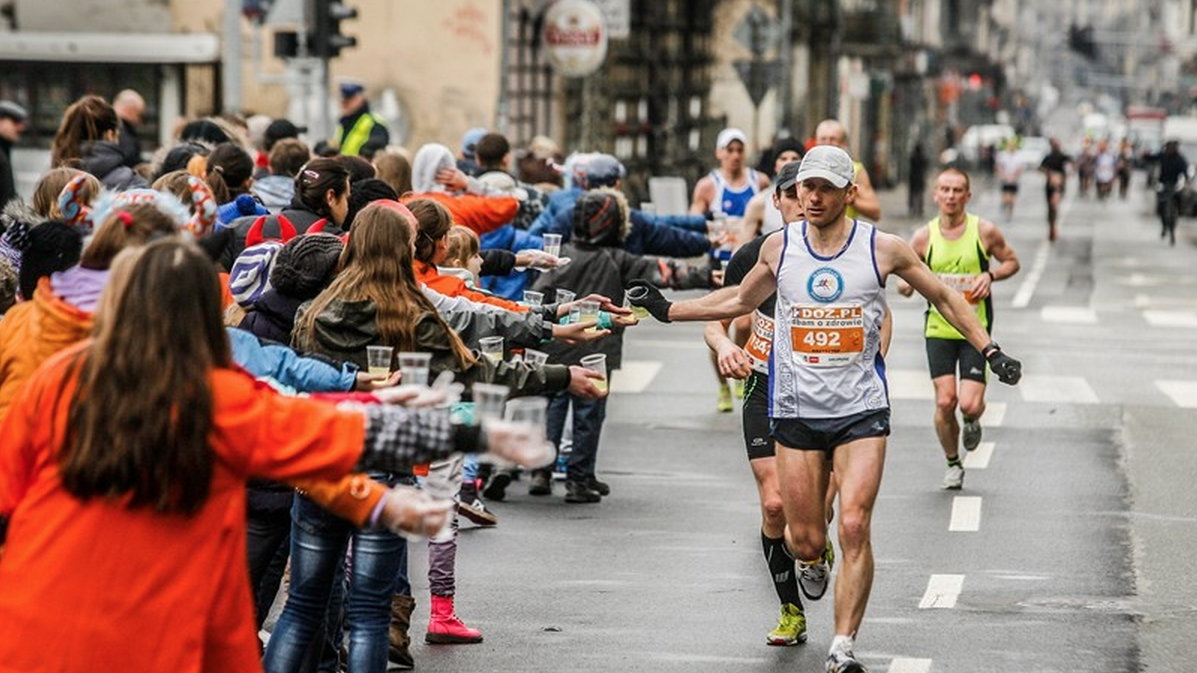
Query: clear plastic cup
(638, 311)
(535, 357)
(533, 298)
(488, 401)
(587, 311)
(552, 244)
(414, 367)
(565, 296)
(378, 360)
(492, 347)
(597, 363)
(532, 412)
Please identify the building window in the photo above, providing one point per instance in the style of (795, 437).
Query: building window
(47, 89)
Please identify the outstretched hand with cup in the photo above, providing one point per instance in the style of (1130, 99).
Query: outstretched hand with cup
(646, 295)
(412, 513)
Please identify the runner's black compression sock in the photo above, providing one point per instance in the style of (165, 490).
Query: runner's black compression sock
(781, 569)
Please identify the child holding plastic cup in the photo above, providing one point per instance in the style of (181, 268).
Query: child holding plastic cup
(600, 265)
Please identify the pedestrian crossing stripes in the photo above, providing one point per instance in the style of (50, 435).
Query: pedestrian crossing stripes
(966, 514)
(995, 414)
(908, 665)
(979, 458)
(942, 592)
(1076, 315)
(1041, 388)
(1157, 318)
(635, 376)
(1183, 393)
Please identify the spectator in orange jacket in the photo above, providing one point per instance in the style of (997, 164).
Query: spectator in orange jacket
(432, 245)
(471, 202)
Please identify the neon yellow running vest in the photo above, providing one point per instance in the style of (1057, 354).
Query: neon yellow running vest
(857, 167)
(351, 144)
(957, 263)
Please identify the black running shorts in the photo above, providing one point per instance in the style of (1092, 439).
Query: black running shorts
(755, 416)
(825, 434)
(1011, 187)
(943, 355)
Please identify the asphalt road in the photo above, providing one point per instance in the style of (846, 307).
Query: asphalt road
(1070, 550)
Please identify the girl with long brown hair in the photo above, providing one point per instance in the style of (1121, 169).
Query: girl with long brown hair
(86, 139)
(432, 246)
(376, 300)
(126, 456)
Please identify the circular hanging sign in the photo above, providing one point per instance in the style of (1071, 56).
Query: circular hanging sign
(575, 37)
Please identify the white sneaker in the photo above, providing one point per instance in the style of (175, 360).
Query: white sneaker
(953, 479)
(814, 577)
(844, 662)
(970, 434)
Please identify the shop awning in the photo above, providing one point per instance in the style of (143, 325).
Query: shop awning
(159, 48)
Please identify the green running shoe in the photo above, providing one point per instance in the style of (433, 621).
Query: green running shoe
(791, 627)
(725, 405)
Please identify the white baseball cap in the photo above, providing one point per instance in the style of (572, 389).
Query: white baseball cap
(828, 162)
(728, 136)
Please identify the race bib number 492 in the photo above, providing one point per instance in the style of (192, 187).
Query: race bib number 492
(827, 335)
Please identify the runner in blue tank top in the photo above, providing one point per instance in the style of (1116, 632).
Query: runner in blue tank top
(726, 191)
(829, 401)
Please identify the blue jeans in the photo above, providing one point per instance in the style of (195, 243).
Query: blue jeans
(318, 544)
(588, 427)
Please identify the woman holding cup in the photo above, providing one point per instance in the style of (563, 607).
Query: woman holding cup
(376, 300)
(600, 265)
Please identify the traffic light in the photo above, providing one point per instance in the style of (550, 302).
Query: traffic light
(1080, 40)
(326, 39)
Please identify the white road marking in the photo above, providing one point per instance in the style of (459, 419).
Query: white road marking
(1077, 315)
(635, 376)
(966, 514)
(907, 665)
(1170, 318)
(909, 384)
(1183, 393)
(995, 414)
(1022, 298)
(942, 591)
(1057, 389)
(979, 459)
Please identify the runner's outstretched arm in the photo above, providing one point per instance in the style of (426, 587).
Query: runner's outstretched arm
(729, 302)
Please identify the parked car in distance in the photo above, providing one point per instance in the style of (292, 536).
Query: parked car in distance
(979, 136)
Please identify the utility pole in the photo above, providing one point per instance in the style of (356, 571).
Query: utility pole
(785, 46)
(230, 90)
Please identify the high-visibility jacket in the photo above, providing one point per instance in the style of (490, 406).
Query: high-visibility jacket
(359, 133)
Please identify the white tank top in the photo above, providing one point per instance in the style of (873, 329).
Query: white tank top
(772, 220)
(826, 360)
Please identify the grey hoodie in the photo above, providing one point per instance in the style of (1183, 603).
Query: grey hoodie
(274, 191)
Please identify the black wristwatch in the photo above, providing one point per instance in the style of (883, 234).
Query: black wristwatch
(989, 349)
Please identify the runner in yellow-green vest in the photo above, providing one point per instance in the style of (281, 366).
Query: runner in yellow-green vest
(968, 254)
(360, 132)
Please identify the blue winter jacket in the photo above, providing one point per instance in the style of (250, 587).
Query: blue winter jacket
(266, 359)
(558, 201)
(507, 237)
(668, 235)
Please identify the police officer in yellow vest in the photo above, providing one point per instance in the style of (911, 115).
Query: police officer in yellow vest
(360, 132)
(867, 205)
(968, 254)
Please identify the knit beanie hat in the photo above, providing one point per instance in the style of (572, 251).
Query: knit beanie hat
(53, 246)
(306, 265)
(250, 275)
(601, 218)
(364, 192)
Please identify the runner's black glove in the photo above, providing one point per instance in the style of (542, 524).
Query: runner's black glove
(1008, 370)
(646, 295)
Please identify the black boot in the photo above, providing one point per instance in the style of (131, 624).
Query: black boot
(541, 483)
(580, 492)
(399, 651)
